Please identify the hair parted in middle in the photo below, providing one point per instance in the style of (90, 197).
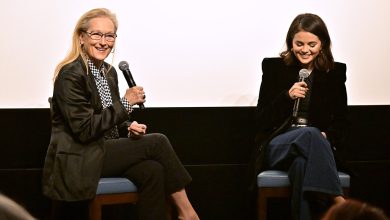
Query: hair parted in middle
(313, 24)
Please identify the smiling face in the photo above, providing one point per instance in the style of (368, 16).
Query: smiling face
(306, 47)
(98, 50)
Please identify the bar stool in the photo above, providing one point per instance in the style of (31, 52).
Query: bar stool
(112, 191)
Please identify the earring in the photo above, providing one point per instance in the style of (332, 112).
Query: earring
(113, 50)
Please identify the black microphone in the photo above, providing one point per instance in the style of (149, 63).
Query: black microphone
(124, 67)
(303, 74)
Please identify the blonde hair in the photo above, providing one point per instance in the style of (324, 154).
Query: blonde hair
(82, 26)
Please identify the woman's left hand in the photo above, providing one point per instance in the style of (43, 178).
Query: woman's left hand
(136, 130)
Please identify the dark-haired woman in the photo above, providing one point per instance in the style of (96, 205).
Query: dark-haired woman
(303, 144)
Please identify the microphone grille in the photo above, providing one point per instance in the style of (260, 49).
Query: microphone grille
(123, 65)
(303, 73)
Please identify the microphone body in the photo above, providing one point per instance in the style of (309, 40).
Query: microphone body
(303, 74)
(124, 67)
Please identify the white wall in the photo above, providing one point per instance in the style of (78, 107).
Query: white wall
(192, 53)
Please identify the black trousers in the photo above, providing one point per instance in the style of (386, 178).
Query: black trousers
(151, 163)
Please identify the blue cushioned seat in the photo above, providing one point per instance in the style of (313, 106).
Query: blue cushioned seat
(277, 178)
(110, 191)
(275, 184)
(115, 185)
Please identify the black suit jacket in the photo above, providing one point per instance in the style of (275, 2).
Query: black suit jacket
(328, 101)
(75, 155)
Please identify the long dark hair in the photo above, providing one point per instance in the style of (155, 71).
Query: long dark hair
(314, 24)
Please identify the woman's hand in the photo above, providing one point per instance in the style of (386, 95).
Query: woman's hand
(135, 95)
(136, 130)
(298, 90)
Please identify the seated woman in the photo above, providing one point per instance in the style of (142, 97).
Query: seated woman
(87, 117)
(301, 119)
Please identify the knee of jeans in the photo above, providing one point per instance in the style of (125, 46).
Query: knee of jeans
(311, 130)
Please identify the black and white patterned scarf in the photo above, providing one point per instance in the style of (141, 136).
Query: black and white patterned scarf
(104, 93)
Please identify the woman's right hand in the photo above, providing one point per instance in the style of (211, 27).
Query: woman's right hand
(135, 95)
(298, 90)
(136, 130)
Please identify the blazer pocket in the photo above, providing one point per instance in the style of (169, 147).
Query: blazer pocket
(68, 168)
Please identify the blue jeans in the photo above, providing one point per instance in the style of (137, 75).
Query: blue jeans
(308, 158)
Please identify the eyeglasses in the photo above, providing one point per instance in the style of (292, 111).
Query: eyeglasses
(110, 37)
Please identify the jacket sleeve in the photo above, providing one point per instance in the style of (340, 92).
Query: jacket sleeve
(339, 120)
(274, 105)
(86, 121)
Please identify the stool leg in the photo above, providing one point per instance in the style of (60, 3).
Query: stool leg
(95, 210)
(262, 207)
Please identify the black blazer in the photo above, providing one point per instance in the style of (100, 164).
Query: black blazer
(74, 158)
(327, 109)
(328, 101)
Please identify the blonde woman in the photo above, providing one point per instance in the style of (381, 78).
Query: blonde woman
(88, 121)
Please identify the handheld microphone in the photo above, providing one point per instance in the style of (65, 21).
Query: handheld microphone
(124, 67)
(303, 74)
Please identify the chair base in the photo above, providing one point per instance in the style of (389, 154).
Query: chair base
(265, 193)
(95, 207)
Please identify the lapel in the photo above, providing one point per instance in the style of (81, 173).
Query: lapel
(94, 96)
(320, 85)
(112, 84)
(292, 73)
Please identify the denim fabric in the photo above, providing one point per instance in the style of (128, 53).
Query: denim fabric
(308, 158)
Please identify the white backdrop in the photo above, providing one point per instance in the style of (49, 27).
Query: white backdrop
(192, 52)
